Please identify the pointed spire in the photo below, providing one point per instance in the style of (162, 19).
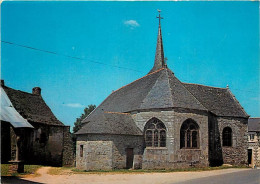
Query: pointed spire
(159, 55)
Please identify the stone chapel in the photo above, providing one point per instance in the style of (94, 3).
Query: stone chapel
(159, 122)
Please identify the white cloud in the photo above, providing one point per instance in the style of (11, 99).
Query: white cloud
(131, 23)
(74, 105)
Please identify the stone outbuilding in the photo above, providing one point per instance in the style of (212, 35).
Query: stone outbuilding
(30, 132)
(254, 142)
(159, 122)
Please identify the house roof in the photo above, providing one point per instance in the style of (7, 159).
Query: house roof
(111, 123)
(9, 114)
(219, 101)
(254, 124)
(31, 107)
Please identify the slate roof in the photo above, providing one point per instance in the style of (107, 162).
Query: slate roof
(111, 123)
(161, 89)
(219, 101)
(31, 107)
(254, 124)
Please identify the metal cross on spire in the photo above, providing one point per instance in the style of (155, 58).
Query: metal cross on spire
(159, 61)
(159, 17)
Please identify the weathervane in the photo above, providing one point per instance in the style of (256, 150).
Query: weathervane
(159, 16)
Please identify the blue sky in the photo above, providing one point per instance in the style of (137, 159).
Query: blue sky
(210, 43)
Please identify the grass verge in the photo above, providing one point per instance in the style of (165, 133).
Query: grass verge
(68, 171)
(28, 169)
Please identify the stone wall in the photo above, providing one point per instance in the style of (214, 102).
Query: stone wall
(68, 157)
(237, 153)
(172, 156)
(215, 145)
(96, 155)
(107, 151)
(47, 145)
(43, 144)
(254, 145)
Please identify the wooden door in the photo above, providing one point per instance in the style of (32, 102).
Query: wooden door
(129, 157)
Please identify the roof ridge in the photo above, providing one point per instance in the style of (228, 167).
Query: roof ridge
(139, 79)
(151, 87)
(203, 85)
(109, 112)
(190, 92)
(20, 91)
(169, 86)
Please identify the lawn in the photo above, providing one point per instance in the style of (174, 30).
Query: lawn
(28, 169)
(69, 170)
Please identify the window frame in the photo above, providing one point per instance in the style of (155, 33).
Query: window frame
(157, 129)
(186, 135)
(81, 148)
(227, 137)
(251, 136)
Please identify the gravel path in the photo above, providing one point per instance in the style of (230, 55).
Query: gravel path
(129, 178)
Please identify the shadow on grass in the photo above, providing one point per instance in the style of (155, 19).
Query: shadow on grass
(15, 179)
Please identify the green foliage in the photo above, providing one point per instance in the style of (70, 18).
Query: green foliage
(78, 123)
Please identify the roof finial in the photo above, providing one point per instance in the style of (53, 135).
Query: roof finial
(159, 55)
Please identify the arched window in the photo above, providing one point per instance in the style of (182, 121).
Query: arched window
(189, 134)
(155, 133)
(227, 136)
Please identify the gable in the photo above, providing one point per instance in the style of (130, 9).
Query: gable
(31, 107)
(219, 101)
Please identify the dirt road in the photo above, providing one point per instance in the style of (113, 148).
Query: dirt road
(129, 178)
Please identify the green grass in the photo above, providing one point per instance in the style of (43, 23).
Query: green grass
(122, 171)
(4, 169)
(28, 169)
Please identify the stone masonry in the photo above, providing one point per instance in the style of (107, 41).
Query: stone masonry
(104, 152)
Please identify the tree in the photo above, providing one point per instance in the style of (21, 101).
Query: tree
(78, 122)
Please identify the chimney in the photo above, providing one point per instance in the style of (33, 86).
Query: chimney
(36, 91)
(2, 82)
